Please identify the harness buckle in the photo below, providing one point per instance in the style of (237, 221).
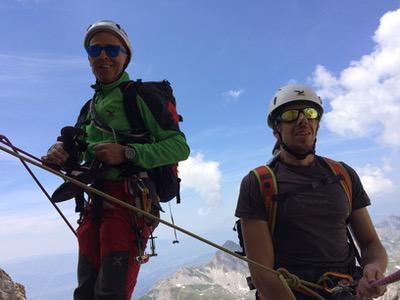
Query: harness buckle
(337, 283)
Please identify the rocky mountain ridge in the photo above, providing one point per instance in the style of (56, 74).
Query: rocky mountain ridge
(220, 277)
(224, 277)
(10, 290)
(389, 233)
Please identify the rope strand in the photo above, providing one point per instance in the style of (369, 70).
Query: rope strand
(395, 276)
(16, 150)
(301, 285)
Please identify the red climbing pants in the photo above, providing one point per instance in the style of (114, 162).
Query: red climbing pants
(108, 246)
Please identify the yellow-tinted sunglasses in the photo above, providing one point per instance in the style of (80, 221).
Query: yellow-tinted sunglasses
(291, 115)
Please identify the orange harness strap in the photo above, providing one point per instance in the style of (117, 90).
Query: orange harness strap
(338, 169)
(269, 187)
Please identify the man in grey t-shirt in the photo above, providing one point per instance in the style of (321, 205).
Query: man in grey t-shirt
(310, 229)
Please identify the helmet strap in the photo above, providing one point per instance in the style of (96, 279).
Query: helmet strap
(297, 155)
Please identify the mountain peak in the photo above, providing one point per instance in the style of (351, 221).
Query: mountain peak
(391, 222)
(232, 246)
(224, 277)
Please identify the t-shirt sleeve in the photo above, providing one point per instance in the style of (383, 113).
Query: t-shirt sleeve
(360, 197)
(250, 203)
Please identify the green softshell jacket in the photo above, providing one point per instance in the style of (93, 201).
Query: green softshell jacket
(168, 146)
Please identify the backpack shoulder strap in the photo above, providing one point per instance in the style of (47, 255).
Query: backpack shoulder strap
(338, 169)
(268, 188)
(158, 97)
(130, 91)
(83, 114)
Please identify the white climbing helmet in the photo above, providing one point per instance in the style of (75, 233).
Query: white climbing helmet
(110, 26)
(292, 93)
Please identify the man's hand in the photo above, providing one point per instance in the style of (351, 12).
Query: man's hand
(110, 154)
(56, 155)
(371, 272)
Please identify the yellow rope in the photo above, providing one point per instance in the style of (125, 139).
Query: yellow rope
(289, 280)
(286, 285)
(293, 282)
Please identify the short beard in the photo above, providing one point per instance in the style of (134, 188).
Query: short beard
(302, 148)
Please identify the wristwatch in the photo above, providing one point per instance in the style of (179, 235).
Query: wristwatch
(129, 153)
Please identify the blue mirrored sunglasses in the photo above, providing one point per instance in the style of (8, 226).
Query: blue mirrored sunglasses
(111, 50)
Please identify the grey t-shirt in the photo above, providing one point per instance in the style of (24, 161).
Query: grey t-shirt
(310, 225)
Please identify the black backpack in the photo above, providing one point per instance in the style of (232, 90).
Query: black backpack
(158, 95)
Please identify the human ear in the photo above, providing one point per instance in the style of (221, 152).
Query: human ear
(90, 61)
(275, 131)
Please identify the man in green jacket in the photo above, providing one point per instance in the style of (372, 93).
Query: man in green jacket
(111, 241)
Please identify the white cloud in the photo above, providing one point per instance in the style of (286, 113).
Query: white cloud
(34, 223)
(233, 95)
(34, 233)
(29, 68)
(375, 179)
(365, 97)
(204, 178)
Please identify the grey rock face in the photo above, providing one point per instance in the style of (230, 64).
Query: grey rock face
(389, 233)
(10, 290)
(223, 278)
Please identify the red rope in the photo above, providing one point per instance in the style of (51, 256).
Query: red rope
(388, 279)
(7, 142)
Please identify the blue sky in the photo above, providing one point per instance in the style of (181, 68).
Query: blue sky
(225, 59)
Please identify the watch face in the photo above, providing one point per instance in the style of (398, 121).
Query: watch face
(129, 153)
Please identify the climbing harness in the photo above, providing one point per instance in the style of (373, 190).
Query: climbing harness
(149, 215)
(338, 284)
(289, 280)
(142, 256)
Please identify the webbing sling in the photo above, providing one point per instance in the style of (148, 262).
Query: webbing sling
(269, 187)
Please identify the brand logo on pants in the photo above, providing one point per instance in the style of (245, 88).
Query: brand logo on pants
(117, 261)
